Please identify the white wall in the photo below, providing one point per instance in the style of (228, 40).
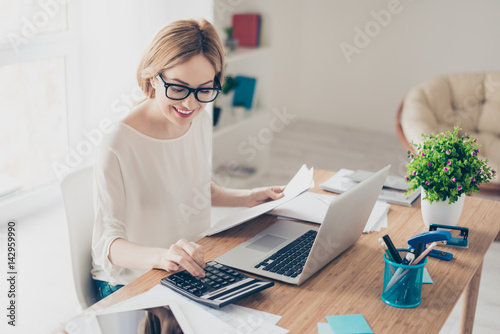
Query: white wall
(314, 79)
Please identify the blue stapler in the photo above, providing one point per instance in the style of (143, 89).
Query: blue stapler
(461, 241)
(431, 236)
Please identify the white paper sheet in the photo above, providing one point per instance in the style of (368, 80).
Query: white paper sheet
(204, 319)
(310, 207)
(377, 217)
(301, 182)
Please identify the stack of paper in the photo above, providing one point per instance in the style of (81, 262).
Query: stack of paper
(342, 181)
(343, 324)
(202, 319)
(312, 207)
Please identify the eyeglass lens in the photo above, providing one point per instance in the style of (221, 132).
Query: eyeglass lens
(179, 93)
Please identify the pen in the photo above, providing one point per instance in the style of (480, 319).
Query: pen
(392, 249)
(416, 261)
(384, 246)
(419, 249)
(408, 260)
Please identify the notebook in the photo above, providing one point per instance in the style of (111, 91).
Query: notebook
(304, 249)
(342, 181)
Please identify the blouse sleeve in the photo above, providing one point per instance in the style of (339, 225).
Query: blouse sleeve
(109, 208)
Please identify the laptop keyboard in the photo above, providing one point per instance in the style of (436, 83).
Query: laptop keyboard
(220, 286)
(290, 260)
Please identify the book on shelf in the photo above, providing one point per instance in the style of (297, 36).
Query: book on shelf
(244, 93)
(246, 29)
(342, 181)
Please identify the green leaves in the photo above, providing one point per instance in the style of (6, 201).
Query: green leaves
(446, 166)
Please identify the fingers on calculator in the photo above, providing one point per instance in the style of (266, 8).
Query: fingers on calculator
(188, 255)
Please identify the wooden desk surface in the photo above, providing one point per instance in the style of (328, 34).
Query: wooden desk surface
(352, 283)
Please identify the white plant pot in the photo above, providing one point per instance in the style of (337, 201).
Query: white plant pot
(441, 212)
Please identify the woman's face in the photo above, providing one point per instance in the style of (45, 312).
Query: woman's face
(197, 72)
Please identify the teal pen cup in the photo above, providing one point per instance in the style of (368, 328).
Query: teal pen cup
(402, 283)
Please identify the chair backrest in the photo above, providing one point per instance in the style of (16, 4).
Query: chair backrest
(77, 193)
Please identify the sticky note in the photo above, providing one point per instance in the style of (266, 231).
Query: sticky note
(426, 279)
(324, 328)
(349, 324)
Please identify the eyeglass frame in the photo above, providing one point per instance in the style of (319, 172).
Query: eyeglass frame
(192, 90)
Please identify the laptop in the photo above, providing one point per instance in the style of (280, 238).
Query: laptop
(292, 252)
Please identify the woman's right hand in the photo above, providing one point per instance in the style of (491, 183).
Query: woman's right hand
(183, 253)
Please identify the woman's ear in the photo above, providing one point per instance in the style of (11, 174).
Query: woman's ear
(152, 81)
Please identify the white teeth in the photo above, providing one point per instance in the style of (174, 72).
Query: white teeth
(184, 112)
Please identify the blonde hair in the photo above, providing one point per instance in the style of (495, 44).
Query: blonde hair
(176, 43)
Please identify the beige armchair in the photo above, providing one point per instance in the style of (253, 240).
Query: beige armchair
(468, 100)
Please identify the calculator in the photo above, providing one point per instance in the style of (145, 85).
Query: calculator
(221, 285)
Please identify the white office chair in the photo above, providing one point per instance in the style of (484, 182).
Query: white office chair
(76, 188)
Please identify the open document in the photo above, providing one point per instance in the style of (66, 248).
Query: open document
(302, 181)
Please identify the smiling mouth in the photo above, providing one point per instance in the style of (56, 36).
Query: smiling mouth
(184, 113)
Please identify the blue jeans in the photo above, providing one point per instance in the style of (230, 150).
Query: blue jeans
(104, 289)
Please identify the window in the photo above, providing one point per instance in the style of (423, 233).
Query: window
(35, 46)
(65, 68)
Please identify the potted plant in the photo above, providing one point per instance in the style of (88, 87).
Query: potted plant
(229, 84)
(446, 167)
(231, 43)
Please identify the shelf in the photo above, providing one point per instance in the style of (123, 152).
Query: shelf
(242, 53)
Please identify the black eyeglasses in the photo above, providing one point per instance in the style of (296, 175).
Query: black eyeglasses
(180, 92)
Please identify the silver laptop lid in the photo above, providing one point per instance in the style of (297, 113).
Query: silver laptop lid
(344, 222)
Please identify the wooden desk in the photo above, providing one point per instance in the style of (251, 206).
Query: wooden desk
(352, 283)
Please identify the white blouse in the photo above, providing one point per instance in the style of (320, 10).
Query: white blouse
(150, 191)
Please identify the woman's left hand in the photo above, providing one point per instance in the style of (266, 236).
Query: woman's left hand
(265, 194)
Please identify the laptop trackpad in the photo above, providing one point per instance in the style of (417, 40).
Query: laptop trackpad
(266, 243)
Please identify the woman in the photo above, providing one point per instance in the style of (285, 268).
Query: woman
(152, 177)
